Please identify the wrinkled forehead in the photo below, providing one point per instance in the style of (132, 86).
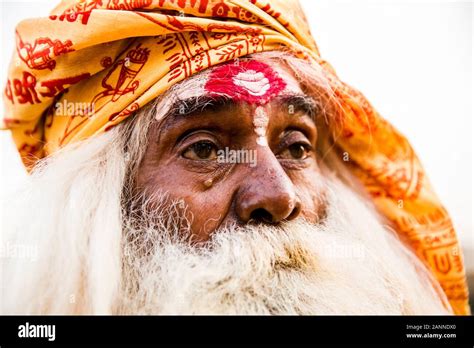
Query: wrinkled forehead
(241, 80)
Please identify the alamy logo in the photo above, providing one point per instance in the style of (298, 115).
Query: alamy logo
(237, 156)
(66, 108)
(32, 331)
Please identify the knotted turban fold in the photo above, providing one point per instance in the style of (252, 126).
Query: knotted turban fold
(114, 56)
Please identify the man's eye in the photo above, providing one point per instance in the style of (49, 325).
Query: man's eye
(201, 150)
(296, 151)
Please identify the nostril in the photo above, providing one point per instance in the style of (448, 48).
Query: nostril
(294, 213)
(261, 215)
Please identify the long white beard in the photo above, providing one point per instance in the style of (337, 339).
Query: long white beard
(79, 258)
(349, 264)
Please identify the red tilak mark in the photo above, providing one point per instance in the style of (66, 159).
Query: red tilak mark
(246, 80)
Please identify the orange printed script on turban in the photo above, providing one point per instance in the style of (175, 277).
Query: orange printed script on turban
(118, 55)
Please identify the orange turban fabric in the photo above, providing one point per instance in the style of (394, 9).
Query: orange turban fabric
(117, 55)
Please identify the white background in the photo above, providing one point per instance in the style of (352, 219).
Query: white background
(413, 60)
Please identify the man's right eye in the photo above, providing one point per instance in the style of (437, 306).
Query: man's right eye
(203, 150)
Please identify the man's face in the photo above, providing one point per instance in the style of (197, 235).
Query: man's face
(239, 146)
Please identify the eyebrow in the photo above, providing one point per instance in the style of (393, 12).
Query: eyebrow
(300, 103)
(294, 102)
(193, 105)
(182, 108)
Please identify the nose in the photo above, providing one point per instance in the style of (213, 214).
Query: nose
(267, 195)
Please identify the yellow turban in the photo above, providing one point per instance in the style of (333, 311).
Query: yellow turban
(118, 55)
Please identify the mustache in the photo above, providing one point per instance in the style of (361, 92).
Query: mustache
(159, 210)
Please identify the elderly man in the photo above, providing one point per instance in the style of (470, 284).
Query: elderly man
(200, 157)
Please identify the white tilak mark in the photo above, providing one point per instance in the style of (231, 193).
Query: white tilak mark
(260, 122)
(255, 83)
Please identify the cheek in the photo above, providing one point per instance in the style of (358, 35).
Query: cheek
(208, 210)
(207, 202)
(311, 190)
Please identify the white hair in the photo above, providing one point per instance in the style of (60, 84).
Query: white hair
(349, 264)
(70, 215)
(73, 213)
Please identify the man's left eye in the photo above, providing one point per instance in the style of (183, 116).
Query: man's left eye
(201, 150)
(298, 151)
